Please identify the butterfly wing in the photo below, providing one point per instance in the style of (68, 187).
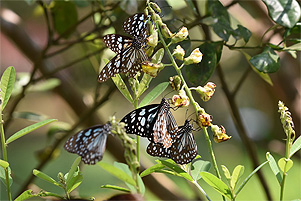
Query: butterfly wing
(184, 148)
(117, 43)
(89, 143)
(141, 121)
(158, 150)
(136, 25)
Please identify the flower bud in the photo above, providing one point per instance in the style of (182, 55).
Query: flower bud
(151, 68)
(204, 119)
(180, 36)
(155, 7)
(219, 134)
(207, 91)
(152, 40)
(165, 30)
(175, 82)
(180, 100)
(195, 57)
(179, 53)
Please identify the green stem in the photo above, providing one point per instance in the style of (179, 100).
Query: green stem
(189, 94)
(5, 156)
(287, 153)
(201, 189)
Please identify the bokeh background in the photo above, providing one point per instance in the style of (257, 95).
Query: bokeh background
(75, 89)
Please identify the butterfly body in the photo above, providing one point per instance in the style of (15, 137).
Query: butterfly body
(130, 52)
(182, 151)
(154, 122)
(89, 143)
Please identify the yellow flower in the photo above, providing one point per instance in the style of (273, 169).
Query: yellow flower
(151, 68)
(219, 134)
(180, 100)
(207, 91)
(195, 57)
(175, 82)
(152, 40)
(179, 53)
(204, 119)
(180, 36)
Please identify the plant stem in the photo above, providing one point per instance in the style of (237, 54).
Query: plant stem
(189, 94)
(201, 189)
(5, 157)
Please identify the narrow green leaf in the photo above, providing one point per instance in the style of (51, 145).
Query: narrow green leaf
(64, 15)
(263, 75)
(45, 85)
(152, 169)
(3, 177)
(237, 173)
(200, 73)
(249, 177)
(122, 87)
(73, 169)
(285, 164)
(117, 173)
(26, 195)
(284, 12)
(158, 56)
(116, 188)
(267, 61)
(154, 94)
(174, 167)
(226, 172)
(7, 85)
(274, 167)
(217, 184)
(74, 182)
(144, 84)
(45, 177)
(197, 166)
(30, 116)
(141, 185)
(28, 129)
(4, 164)
(296, 146)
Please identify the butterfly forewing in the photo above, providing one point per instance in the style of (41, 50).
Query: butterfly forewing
(136, 25)
(117, 43)
(89, 143)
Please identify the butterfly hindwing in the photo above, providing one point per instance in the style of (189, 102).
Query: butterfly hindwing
(89, 143)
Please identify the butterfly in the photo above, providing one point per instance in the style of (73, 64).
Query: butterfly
(130, 53)
(89, 143)
(155, 122)
(182, 151)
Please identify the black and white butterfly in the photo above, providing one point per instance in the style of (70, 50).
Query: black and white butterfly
(182, 151)
(155, 122)
(89, 143)
(130, 52)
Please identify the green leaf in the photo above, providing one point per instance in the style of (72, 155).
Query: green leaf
(274, 167)
(144, 84)
(28, 129)
(295, 147)
(7, 85)
(29, 116)
(116, 188)
(122, 87)
(199, 74)
(249, 177)
(117, 173)
(3, 177)
(45, 85)
(158, 56)
(267, 61)
(159, 89)
(217, 184)
(174, 167)
(285, 164)
(222, 25)
(57, 127)
(226, 172)
(45, 177)
(198, 166)
(73, 170)
(284, 12)
(263, 75)
(26, 195)
(64, 17)
(141, 185)
(152, 169)
(74, 182)
(237, 173)
(4, 164)
(296, 47)
(242, 32)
